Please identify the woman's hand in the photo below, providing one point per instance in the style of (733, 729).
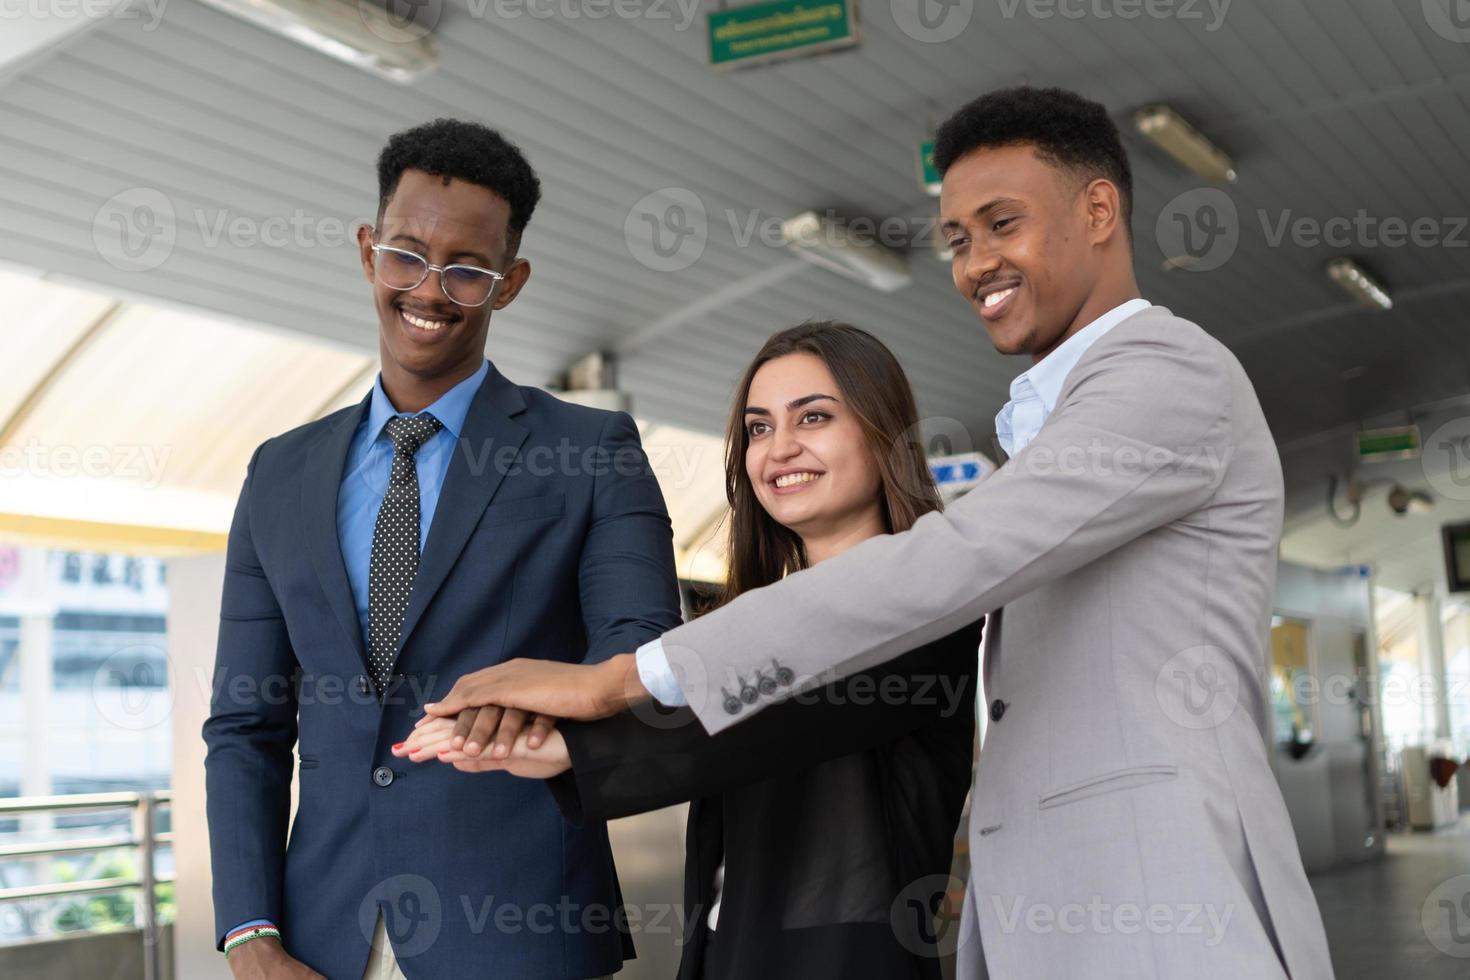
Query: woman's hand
(429, 738)
(432, 739)
(495, 728)
(551, 759)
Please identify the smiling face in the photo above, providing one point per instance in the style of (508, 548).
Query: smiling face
(423, 335)
(806, 454)
(1031, 243)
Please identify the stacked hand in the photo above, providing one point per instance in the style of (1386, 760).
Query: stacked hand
(549, 687)
(491, 708)
(433, 738)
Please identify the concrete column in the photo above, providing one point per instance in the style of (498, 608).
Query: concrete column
(1432, 664)
(37, 611)
(193, 626)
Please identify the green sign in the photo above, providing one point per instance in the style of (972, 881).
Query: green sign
(1400, 442)
(928, 175)
(761, 32)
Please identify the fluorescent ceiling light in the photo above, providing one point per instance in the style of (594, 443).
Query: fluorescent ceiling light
(1358, 284)
(828, 243)
(361, 34)
(1173, 134)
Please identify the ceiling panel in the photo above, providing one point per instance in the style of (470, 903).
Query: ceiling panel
(1328, 107)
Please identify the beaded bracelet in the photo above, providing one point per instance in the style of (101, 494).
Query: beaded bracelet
(245, 935)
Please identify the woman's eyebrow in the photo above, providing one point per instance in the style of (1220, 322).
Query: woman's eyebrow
(795, 403)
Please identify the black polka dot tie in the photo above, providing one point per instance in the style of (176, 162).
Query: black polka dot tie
(395, 559)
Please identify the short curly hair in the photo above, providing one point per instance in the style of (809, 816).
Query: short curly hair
(1072, 132)
(468, 151)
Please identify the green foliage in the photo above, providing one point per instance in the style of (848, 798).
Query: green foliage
(109, 911)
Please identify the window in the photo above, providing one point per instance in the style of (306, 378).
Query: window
(1292, 709)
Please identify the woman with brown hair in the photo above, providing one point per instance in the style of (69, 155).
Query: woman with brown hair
(820, 833)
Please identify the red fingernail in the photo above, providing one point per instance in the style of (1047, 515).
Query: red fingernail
(397, 746)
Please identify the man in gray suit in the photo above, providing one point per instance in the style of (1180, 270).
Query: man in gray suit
(1125, 822)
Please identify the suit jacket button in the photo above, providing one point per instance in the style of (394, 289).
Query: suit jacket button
(997, 709)
(382, 775)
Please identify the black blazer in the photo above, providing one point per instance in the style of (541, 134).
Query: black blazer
(829, 809)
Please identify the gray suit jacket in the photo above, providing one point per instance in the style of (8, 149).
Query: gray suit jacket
(1124, 819)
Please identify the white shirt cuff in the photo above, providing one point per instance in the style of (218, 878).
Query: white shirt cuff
(657, 676)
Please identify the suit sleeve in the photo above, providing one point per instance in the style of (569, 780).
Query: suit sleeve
(629, 589)
(1140, 439)
(640, 761)
(249, 735)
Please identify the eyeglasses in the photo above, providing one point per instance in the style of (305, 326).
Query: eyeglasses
(467, 285)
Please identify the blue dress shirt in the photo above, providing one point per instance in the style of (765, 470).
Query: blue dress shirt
(369, 463)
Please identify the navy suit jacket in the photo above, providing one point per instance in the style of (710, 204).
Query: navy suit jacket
(551, 540)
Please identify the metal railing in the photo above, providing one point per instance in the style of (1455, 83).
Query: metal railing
(142, 838)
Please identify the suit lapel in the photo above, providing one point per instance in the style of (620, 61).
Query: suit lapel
(319, 488)
(475, 473)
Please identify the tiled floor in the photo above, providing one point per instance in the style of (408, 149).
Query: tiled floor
(1385, 920)
(1375, 913)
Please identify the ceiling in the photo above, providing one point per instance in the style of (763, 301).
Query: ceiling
(1405, 551)
(1329, 108)
(187, 399)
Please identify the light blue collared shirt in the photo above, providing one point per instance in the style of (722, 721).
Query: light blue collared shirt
(370, 461)
(657, 676)
(1033, 396)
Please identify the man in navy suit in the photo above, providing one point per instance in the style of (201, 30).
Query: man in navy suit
(449, 521)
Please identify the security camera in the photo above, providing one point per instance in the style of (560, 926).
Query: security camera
(1403, 500)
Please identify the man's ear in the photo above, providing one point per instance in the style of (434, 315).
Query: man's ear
(1104, 209)
(510, 286)
(365, 246)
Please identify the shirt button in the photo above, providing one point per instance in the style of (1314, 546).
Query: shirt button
(382, 775)
(997, 709)
(732, 706)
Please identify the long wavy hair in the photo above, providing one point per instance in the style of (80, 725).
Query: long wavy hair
(872, 384)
